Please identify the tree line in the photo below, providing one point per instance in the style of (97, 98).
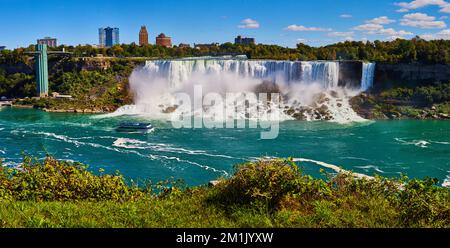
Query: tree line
(399, 50)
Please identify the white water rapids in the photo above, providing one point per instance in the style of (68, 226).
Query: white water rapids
(309, 89)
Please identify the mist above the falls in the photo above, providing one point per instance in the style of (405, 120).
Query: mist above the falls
(308, 91)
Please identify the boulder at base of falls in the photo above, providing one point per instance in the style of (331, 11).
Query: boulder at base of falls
(322, 113)
(268, 87)
(300, 113)
(170, 109)
(309, 113)
(321, 98)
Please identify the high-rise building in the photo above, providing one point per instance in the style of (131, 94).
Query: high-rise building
(108, 37)
(101, 37)
(143, 36)
(244, 40)
(163, 40)
(50, 42)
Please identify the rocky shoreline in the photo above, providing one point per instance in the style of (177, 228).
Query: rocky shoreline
(365, 105)
(70, 110)
(78, 111)
(373, 107)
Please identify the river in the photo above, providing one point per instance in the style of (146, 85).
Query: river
(416, 148)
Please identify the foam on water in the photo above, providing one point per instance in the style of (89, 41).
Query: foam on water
(131, 144)
(138, 144)
(333, 167)
(440, 142)
(418, 143)
(446, 182)
(368, 167)
(11, 164)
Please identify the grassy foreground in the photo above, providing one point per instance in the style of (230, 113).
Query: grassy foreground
(265, 193)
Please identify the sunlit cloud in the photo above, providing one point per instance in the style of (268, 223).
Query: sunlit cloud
(390, 32)
(340, 34)
(382, 20)
(442, 35)
(368, 27)
(249, 24)
(416, 4)
(421, 20)
(345, 16)
(299, 28)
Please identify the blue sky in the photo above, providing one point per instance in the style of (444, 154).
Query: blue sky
(316, 22)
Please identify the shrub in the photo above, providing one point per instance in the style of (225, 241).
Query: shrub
(262, 193)
(346, 184)
(268, 181)
(54, 180)
(422, 202)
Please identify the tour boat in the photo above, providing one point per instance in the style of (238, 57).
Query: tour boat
(134, 126)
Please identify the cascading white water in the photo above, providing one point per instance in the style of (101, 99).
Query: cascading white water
(179, 71)
(309, 88)
(326, 73)
(368, 73)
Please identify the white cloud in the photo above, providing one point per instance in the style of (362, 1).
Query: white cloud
(444, 34)
(443, 18)
(394, 37)
(345, 16)
(402, 10)
(446, 8)
(421, 20)
(340, 34)
(375, 27)
(416, 4)
(249, 23)
(309, 41)
(390, 32)
(368, 27)
(381, 20)
(419, 17)
(349, 38)
(298, 28)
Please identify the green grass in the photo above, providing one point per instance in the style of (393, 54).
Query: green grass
(190, 210)
(269, 193)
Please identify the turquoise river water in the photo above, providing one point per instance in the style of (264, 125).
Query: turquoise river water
(388, 148)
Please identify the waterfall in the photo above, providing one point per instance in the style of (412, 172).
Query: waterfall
(325, 73)
(178, 71)
(368, 73)
(310, 89)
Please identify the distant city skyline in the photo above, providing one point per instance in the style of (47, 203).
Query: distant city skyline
(108, 36)
(315, 23)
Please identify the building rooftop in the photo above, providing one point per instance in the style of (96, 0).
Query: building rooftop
(162, 35)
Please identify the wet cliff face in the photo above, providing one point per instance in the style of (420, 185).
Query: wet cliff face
(350, 74)
(409, 74)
